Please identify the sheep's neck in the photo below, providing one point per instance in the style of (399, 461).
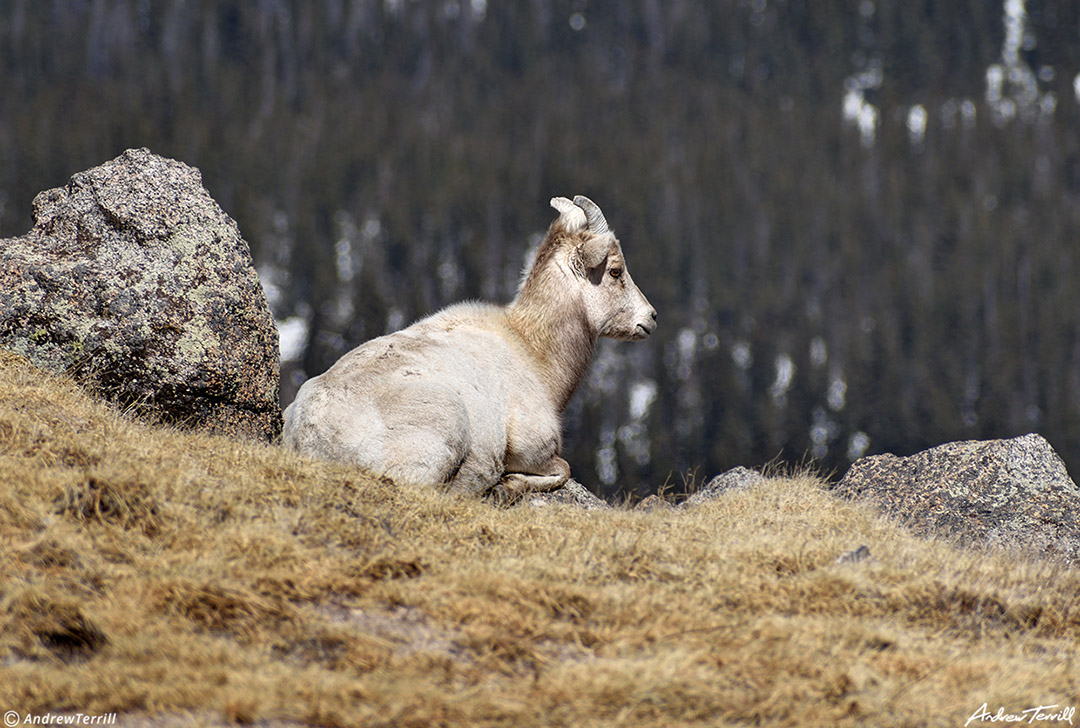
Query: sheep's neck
(559, 338)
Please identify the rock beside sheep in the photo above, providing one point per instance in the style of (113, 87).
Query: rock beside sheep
(1013, 493)
(730, 481)
(135, 282)
(570, 493)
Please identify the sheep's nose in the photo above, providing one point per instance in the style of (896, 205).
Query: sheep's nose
(646, 327)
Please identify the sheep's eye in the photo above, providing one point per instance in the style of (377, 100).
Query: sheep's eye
(615, 272)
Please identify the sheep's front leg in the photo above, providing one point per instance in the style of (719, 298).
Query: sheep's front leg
(515, 486)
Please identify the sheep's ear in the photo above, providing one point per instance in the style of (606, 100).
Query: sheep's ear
(573, 217)
(594, 251)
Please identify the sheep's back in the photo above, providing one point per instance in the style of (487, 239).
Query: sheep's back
(454, 390)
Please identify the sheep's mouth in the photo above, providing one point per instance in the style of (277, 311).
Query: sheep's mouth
(642, 331)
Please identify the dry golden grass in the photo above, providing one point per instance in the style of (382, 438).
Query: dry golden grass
(182, 579)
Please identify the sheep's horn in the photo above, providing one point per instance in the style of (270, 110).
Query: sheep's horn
(574, 215)
(597, 222)
(562, 204)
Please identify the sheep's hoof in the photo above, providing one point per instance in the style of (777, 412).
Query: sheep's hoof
(502, 496)
(515, 486)
(508, 491)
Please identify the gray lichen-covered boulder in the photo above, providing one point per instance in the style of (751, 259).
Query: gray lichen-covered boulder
(738, 478)
(1014, 493)
(571, 493)
(134, 281)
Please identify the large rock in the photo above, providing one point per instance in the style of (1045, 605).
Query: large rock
(135, 281)
(1012, 493)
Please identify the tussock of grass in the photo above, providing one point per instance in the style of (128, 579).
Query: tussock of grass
(150, 571)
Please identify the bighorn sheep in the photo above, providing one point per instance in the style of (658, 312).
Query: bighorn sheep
(471, 397)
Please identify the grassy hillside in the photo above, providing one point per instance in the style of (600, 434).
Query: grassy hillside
(185, 580)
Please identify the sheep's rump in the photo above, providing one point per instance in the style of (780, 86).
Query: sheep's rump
(446, 401)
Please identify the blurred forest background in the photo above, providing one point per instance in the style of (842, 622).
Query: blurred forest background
(858, 219)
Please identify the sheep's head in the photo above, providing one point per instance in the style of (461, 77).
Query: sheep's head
(614, 306)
